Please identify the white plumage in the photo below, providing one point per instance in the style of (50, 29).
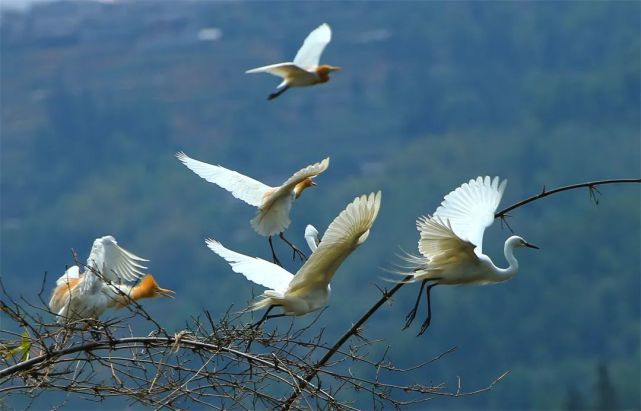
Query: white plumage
(309, 289)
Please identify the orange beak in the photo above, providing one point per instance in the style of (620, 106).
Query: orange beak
(334, 68)
(166, 293)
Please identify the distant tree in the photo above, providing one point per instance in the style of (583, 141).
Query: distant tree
(574, 401)
(604, 390)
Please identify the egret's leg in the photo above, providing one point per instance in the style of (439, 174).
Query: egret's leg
(429, 310)
(274, 258)
(412, 314)
(277, 93)
(265, 317)
(295, 249)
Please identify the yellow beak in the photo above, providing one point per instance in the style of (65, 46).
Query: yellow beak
(166, 293)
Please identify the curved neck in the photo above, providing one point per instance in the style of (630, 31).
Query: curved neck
(504, 274)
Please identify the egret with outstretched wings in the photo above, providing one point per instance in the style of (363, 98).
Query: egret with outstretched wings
(304, 70)
(307, 290)
(273, 203)
(451, 242)
(103, 284)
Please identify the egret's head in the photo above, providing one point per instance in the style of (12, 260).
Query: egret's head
(149, 288)
(298, 189)
(519, 242)
(323, 71)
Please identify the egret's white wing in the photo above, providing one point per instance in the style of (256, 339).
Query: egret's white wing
(440, 244)
(311, 236)
(284, 70)
(254, 269)
(299, 176)
(242, 187)
(310, 52)
(470, 208)
(349, 230)
(72, 272)
(113, 262)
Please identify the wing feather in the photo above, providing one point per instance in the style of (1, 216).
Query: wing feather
(348, 230)
(284, 70)
(254, 269)
(308, 56)
(470, 208)
(113, 262)
(440, 244)
(287, 187)
(242, 187)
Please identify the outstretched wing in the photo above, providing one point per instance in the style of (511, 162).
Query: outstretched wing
(299, 176)
(442, 246)
(240, 186)
(254, 269)
(310, 52)
(470, 208)
(113, 262)
(349, 230)
(284, 70)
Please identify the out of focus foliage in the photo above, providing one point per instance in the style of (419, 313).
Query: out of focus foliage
(97, 98)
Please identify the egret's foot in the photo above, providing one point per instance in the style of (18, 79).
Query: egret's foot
(424, 327)
(409, 318)
(299, 253)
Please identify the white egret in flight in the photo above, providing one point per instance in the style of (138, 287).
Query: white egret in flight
(274, 203)
(103, 283)
(304, 70)
(307, 290)
(451, 243)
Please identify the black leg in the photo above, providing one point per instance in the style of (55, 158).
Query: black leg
(295, 249)
(274, 258)
(427, 321)
(412, 314)
(277, 93)
(265, 317)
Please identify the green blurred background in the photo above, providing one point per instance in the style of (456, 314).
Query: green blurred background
(97, 98)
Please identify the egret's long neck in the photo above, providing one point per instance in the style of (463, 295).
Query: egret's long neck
(504, 274)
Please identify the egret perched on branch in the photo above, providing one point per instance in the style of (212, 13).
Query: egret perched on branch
(101, 286)
(273, 203)
(304, 70)
(309, 289)
(451, 243)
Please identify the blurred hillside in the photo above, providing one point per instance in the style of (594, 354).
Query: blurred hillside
(97, 98)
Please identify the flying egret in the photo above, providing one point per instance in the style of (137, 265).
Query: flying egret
(304, 70)
(451, 243)
(102, 285)
(273, 203)
(309, 289)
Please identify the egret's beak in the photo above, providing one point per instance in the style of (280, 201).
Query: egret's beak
(531, 246)
(335, 68)
(166, 293)
(313, 183)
